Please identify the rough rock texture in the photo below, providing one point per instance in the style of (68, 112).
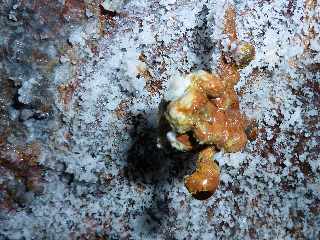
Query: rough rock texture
(83, 81)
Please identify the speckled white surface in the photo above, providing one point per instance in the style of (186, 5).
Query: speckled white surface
(109, 180)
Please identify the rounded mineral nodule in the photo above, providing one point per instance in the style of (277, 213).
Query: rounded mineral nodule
(206, 178)
(243, 54)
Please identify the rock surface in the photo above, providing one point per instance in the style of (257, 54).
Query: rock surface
(83, 83)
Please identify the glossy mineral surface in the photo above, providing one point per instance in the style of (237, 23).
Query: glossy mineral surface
(82, 85)
(208, 111)
(204, 181)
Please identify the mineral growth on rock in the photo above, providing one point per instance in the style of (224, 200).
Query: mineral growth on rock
(81, 83)
(208, 111)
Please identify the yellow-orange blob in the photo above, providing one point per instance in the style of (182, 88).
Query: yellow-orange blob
(205, 180)
(209, 112)
(210, 83)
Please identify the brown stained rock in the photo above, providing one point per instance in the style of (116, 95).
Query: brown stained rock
(252, 130)
(315, 207)
(153, 85)
(73, 10)
(21, 173)
(54, 14)
(93, 47)
(39, 57)
(107, 17)
(122, 109)
(67, 91)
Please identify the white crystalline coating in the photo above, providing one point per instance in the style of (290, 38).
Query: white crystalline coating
(171, 136)
(147, 35)
(295, 118)
(112, 5)
(25, 90)
(220, 157)
(233, 46)
(64, 59)
(225, 178)
(236, 159)
(77, 37)
(167, 2)
(188, 19)
(177, 86)
(230, 159)
(114, 182)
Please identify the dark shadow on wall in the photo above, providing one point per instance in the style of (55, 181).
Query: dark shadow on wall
(158, 219)
(155, 169)
(201, 44)
(145, 162)
(148, 164)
